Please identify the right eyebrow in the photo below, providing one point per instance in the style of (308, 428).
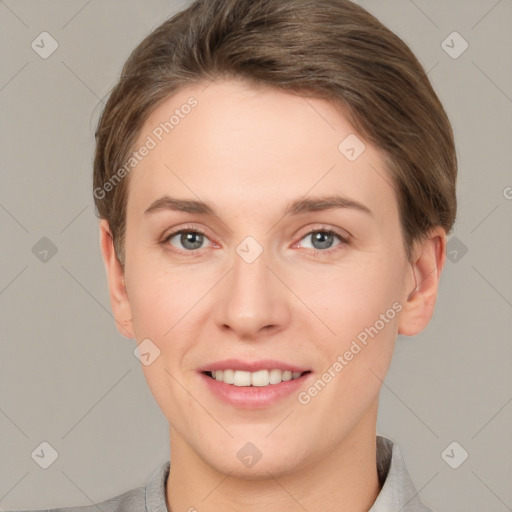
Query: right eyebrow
(183, 205)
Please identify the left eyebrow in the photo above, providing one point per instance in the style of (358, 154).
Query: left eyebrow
(325, 203)
(296, 207)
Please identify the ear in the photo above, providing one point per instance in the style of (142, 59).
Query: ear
(116, 282)
(428, 258)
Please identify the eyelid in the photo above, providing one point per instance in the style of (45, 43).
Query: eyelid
(343, 234)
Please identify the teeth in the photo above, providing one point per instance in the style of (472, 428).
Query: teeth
(260, 378)
(242, 379)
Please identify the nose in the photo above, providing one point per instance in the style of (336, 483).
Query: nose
(252, 300)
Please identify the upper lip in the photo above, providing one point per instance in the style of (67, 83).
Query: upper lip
(251, 366)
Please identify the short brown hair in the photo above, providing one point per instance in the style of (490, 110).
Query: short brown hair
(326, 49)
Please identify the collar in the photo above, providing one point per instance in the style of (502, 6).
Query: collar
(398, 493)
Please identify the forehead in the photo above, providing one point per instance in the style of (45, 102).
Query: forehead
(236, 145)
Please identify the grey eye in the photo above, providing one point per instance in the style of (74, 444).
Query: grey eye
(190, 240)
(321, 240)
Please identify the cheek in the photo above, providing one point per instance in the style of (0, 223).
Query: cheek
(360, 305)
(161, 298)
(349, 298)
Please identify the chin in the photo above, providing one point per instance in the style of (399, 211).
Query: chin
(264, 469)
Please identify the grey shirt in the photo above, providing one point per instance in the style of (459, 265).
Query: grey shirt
(398, 493)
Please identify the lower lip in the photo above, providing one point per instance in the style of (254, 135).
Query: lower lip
(253, 397)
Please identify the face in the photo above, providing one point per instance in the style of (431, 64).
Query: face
(297, 264)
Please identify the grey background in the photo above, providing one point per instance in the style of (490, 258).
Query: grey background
(68, 378)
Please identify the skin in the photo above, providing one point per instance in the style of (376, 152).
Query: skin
(249, 152)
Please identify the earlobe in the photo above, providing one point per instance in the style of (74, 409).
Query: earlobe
(429, 256)
(116, 282)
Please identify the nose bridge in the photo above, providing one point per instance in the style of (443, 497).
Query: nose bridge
(250, 299)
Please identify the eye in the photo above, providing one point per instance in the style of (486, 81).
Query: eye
(190, 240)
(322, 240)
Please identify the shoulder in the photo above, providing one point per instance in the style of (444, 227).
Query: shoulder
(129, 501)
(150, 497)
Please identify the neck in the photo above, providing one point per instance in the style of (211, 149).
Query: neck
(345, 479)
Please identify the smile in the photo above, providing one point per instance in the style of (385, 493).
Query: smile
(260, 378)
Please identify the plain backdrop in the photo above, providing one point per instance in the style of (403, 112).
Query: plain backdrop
(68, 378)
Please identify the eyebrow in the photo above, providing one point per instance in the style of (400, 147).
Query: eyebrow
(296, 207)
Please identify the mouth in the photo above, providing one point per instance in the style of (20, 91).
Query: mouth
(260, 378)
(254, 384)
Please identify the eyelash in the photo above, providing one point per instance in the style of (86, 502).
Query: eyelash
(319, 229)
